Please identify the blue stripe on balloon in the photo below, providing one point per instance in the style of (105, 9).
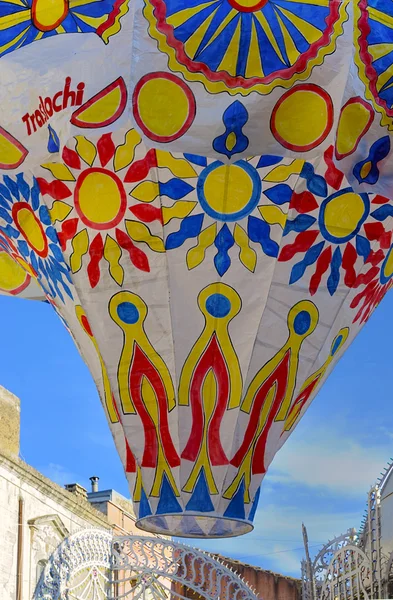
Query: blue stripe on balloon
(259, 232)
(299, 223)
(201, 161)
(175, 189)
(223, 242)
(310, 258)
(279, 194)
(190, 227)
(383, 212)
(268, 161)
(316, 184)
(334, 277)
(363, 247)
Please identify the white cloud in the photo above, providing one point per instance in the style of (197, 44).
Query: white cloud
(332, 462)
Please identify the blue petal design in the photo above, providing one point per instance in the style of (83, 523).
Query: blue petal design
(223, 242)
(309, 258)
(259, 231)
(10, 231)
(168, 502)
(300, 223)
(4, 191)
(383, 212)
(190, 227)
(175, 189)
(363, 247)
(235, 508)
(35, 194)
(378, 151)
(200, 500)
(23, 187)
(316, 184)
(4, 203)
(44, 215)
(334, 277)
(268, 161)
(11, 186)
(24, 249)
(5, 215)
(279, 194)
(234, 119)
(201, 161)
(53, 141)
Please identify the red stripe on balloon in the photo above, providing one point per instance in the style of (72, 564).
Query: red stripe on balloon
(56, 189)
(96, 252)
(71, 158)
(106, 148)
(213, 360)
(140, 169)
(67, 232)
(322, 266)
(348, 264)
(303, 202)
(142, 367)
(333, 176)
(147, 213)
(303, 241)
(137, 256)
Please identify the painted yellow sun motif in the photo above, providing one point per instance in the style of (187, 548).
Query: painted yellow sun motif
(93, 192)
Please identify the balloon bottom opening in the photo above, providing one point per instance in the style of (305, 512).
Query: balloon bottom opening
(194, 525)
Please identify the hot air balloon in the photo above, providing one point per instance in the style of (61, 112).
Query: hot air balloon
(202, 191)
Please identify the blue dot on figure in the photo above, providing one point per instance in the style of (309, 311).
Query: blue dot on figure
(218, 305)
(302, 322)
(337, 344)
(128, 313)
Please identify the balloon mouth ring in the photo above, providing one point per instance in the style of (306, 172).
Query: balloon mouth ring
(194, 525)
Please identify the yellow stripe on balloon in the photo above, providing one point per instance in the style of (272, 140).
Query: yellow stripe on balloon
(80, 245)
(291, 50)
(17, 18)
(254, 65)
(59, 211)
(59, 171)
(139, 232)
(108, 398)
(230, 16)
(178, 210)
(273, 215)
(247, 255)
(269, 33)
(180, 17)
(86, 149)
(125, 153)
(196, 255)
(192, 44)
(179, 167)
(229, 60)
(147, 191)
(14, 41)
(308, 31)
(283, 172)
(116, 27)
(112, 254)
(94, 22)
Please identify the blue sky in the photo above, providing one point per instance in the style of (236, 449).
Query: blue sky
(321, 476)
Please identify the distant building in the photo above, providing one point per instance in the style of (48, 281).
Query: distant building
(36, 514)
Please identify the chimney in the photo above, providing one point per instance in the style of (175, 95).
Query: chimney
(94, 483)
(9, 423)
(78, 490)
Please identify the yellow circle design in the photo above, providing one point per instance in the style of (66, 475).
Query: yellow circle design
(12, 276)
(301, 119)
(343, 214)
(30, 228)
(163, 107)
(388, 266)
(228, 189)
(99, 197)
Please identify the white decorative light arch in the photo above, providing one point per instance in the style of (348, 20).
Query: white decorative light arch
(94, 565)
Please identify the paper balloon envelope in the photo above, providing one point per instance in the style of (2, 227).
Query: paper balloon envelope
(201, 191)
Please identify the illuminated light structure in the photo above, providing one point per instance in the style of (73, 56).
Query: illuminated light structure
(208, 213)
